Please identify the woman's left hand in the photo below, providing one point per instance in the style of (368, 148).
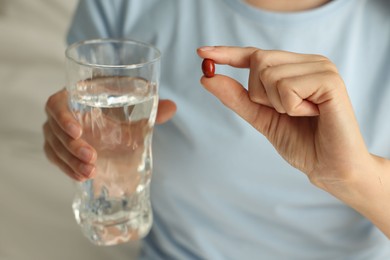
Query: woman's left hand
(300, 103)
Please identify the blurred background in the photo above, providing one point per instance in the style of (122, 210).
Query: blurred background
(36, 219)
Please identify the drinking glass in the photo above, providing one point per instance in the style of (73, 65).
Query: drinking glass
(112, 89)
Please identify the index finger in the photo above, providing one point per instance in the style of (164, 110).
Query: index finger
(247, 57)
(57, 108)
(238, 57)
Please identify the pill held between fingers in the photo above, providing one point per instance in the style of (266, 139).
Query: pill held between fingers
(208, 68)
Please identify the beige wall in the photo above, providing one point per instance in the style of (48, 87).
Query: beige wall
(36, 220)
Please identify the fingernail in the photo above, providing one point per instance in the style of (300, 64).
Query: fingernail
(73, 130)
(85, 154)
(206, 48)
(86, 169)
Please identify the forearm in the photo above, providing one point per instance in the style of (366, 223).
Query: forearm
(368, 191)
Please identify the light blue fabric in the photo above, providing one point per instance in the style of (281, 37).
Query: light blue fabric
(219, 189)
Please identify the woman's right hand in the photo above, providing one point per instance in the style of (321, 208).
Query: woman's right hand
(63, 143)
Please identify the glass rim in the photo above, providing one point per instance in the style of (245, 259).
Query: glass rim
(112, 40)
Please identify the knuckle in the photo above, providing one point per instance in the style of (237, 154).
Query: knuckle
(267, 75)
(282, 89)
(256, 94)
(284, 92)
(63, 118)
(52, 101)
(282, 85)
(334, 78)
(257, 56)
(329, 66)
(251, 49)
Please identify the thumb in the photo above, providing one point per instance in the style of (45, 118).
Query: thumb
(165, 111)
(234, 96)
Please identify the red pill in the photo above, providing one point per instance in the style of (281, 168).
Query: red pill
(208, 68)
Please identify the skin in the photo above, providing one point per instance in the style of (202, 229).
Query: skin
(299, 102)
(63, 143)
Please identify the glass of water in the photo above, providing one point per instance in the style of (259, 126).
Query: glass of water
(112, 87)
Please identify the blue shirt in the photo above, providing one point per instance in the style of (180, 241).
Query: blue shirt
(219, 190)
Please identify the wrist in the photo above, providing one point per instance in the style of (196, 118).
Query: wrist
(367, 190)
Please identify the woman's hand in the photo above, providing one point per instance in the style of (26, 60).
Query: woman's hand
(300, 103)
(63, 143)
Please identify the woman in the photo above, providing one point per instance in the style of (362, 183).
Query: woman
(219, 189)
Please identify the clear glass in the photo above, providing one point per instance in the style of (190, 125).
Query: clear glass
(113, 92)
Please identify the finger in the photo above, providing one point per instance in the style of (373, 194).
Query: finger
(79, 148)
(256, 89)
(57, 108)
(263, 62)
(312, 94)
(243, 57)
(270, 76)
(60, 155)
(257, 60)
(53, 158)
(238, 57)
(233, 95)
(165, 111)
